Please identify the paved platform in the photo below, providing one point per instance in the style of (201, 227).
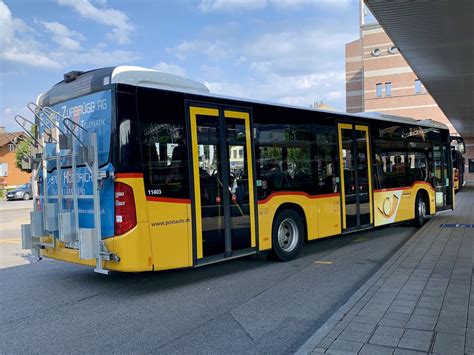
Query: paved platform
(420, 301)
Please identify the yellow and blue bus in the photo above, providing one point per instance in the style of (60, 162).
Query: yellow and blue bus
(186, 178)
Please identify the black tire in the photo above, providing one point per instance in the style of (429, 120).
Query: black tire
(420, 210)
(26, 196)
(290, 225)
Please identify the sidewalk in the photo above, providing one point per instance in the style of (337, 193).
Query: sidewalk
(420, 301)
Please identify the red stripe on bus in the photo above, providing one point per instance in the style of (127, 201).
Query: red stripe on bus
(406, 187)
(296, 193)
(168, 199)
(129, 175)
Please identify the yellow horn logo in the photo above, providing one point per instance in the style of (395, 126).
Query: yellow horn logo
(388, 209)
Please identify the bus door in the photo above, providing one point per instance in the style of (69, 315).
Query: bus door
(356, 176)
(442, 176)
(224, 202)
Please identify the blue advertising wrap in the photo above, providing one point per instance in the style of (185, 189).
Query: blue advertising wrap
(93, 112)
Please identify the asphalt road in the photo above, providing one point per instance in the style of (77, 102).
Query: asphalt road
(12, 215)
(247, 305)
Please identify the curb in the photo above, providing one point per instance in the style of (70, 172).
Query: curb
(309, 346)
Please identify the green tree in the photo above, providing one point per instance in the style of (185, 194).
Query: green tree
(23, 151)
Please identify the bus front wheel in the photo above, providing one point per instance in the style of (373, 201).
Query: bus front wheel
(420, 210)
(287, 235)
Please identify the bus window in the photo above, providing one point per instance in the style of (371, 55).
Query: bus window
(391, 163)
(127, 138)
(326, 158)
(164, 148)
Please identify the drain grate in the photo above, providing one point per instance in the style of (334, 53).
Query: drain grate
(457, 225)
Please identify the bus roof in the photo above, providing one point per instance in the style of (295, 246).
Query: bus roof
(138, 76)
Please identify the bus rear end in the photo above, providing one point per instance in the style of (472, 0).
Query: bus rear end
(85, 211)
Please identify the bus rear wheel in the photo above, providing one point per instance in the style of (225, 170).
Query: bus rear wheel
(287, 235)
(420, 210)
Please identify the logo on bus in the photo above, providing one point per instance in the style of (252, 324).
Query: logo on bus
(389, 206)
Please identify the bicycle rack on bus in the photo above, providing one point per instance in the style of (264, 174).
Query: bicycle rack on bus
(54, 220)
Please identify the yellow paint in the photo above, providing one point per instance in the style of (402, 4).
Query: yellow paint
(171, 234)
(322, 215)
(360, 240)
(329, 216)
(323, 262)
(193, 112)
(369, 167)
(365, 129)
(248, 141)
(340, 127)
(390, 208)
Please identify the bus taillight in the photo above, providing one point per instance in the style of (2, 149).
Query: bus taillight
(125, 215)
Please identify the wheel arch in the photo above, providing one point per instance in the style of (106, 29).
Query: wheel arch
(298, 209)
(426, 196)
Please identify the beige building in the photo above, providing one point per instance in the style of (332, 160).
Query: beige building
(10, 175)
(379, 79)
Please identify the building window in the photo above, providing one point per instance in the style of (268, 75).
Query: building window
(393, 50)
(378, 90)
(417, 86)
(11, 148)
(471, 165)
(388, 89)
(3, 169)
(241, 153)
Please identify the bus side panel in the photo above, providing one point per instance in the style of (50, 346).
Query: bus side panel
(268, 207)
(134, 247)
(329, 215)
(398, 204)
(171, 234)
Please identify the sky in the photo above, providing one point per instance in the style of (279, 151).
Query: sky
(282, 51)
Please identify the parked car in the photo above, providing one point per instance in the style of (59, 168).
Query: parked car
(22, 192)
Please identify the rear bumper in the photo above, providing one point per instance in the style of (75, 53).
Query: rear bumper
(131, 248)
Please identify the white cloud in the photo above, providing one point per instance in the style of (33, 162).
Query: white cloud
(19, 46)
(299, 4)
(215, 50)
(7, 117)
(231, 5)
(299, 90)
(206, 6)
(63, 36)
(99, 57)
(118, 20)
(170, 68)
(17, 43)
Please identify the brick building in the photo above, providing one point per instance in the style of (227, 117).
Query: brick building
(379, 79)
(10, 175)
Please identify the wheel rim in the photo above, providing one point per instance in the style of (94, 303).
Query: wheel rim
(288, 235)
(422, 210)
